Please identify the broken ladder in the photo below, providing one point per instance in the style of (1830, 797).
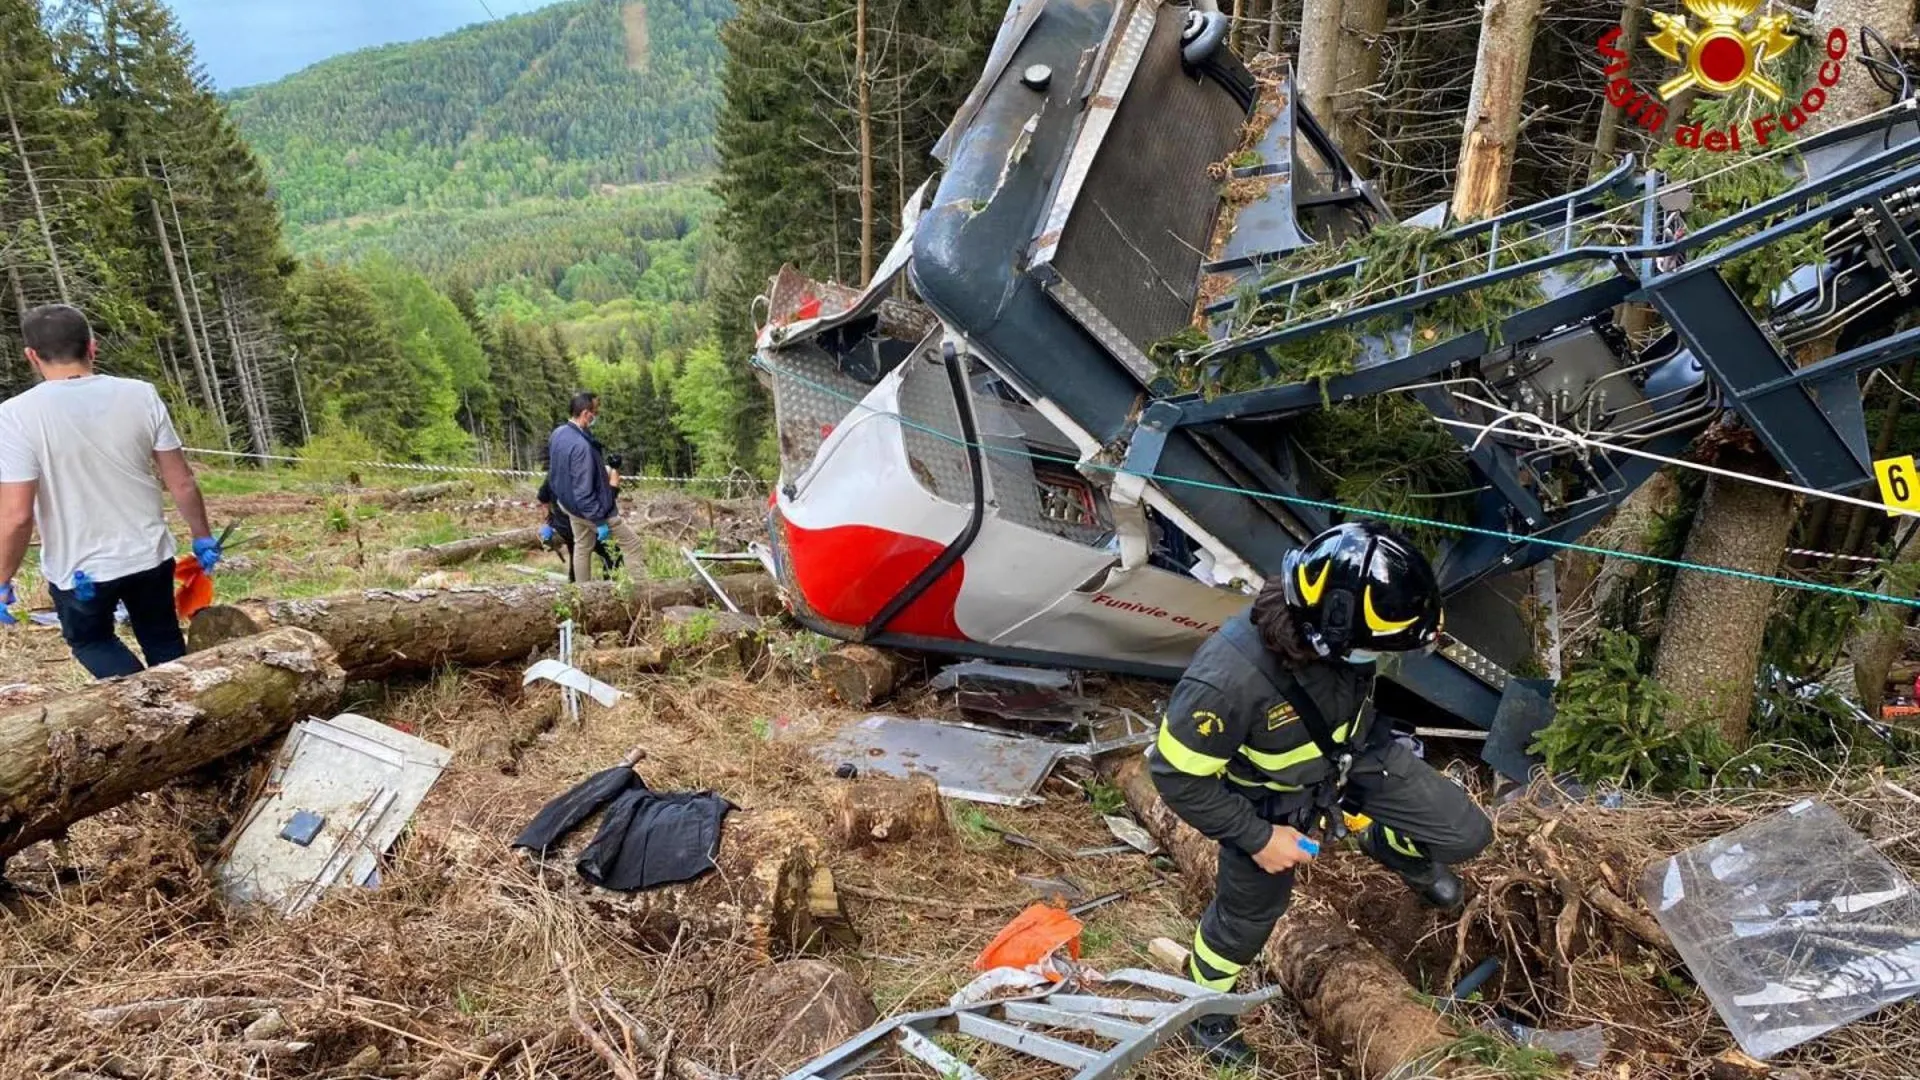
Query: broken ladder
(1130, 1028)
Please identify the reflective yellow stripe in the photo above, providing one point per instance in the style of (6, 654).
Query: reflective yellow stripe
(1191, 762)
(1273, 785)
(1205, 954)
(1299, 755)
(1222, 985)
(1404, 847)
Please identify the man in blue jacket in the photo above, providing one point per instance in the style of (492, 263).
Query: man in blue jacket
(577, 473)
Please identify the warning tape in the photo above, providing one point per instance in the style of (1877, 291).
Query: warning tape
(461, 470)
(1834, 555)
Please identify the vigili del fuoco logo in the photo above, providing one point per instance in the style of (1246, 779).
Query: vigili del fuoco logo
(1721, 47)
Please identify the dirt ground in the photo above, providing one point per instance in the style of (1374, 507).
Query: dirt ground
(459, 964)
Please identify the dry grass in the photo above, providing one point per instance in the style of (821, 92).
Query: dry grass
(448, 970)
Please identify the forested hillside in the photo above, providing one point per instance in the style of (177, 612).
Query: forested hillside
(558, 102)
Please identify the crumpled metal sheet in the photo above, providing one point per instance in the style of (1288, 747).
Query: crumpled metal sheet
(966, 761)
(363, 779)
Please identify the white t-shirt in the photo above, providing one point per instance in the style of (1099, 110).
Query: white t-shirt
(90, 443)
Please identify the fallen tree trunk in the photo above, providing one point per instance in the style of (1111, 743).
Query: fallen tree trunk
(887, 811)
(423, 493)
(384, 632)
(1359, 1001)
(77, 754)
(459, 551)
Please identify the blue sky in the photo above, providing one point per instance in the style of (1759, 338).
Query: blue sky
(243, 42)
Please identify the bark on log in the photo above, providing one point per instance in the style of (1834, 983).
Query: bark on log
(1359, 1002)
(857, 676)
(384, 632)
(460, 551)
(615, 661)
(70, 756)
(762, 897)
(887, 811)
(423, 493)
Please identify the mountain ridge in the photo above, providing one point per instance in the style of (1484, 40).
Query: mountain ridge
(556, 102)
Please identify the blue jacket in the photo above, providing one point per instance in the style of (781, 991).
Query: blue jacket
(578, 474)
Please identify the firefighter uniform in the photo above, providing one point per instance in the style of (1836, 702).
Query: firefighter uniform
(1233, 758)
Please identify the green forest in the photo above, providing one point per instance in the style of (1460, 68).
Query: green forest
(417, 252)
(568, 100)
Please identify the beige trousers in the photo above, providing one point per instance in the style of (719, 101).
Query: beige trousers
(585, 531)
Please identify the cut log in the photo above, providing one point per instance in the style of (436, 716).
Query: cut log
(761, 898)
(627, 659)
(887, 811)
(858, 676)
(459, 551)
(77, 754)
(704, 634)
(384, 632)
(424, 493)
(1361, 1004)
(535, 716)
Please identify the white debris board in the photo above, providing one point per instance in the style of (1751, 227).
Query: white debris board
(1793, 925)
(361, 778)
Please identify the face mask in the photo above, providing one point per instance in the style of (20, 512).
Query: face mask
(1363, 656)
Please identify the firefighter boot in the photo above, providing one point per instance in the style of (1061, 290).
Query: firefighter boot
(1219, 1038)
(1436, 885)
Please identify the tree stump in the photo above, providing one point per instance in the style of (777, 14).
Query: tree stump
(857, 676)
(792, 1012)
(762, 897)
(888, 811)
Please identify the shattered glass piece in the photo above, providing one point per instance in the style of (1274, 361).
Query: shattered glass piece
(1585, 1046)
(1793, 926)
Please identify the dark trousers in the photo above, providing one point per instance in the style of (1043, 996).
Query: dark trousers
(88, 624)
(1420, 818)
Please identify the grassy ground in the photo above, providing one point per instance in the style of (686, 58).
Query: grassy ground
(452, 967)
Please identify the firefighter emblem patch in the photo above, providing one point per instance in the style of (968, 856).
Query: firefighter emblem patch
(1208, 723)
(1280, 716)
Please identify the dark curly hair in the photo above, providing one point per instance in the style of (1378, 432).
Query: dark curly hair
(1274, 619)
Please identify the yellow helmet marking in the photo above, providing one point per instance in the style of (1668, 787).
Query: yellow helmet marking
(1377, 624)
(1310, 590)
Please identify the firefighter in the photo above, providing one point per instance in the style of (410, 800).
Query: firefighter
(1271, 734)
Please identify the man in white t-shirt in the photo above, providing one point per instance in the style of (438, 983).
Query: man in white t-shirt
(78, 454)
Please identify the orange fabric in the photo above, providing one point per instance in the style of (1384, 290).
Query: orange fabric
(1031, 937)
(195, 588)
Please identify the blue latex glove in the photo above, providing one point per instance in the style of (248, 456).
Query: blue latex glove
(603, 532)
(82, 586)
(1311, 847)
(546, 534)
(207, 550)
(7, 600)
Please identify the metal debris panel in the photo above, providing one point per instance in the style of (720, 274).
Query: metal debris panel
(1793, 926)
(966, 761)
(359, 780)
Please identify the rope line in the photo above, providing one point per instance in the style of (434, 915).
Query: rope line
(1319, 504)
(472, 470)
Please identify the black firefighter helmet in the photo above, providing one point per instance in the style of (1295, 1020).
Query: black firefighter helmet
(1359, 586)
